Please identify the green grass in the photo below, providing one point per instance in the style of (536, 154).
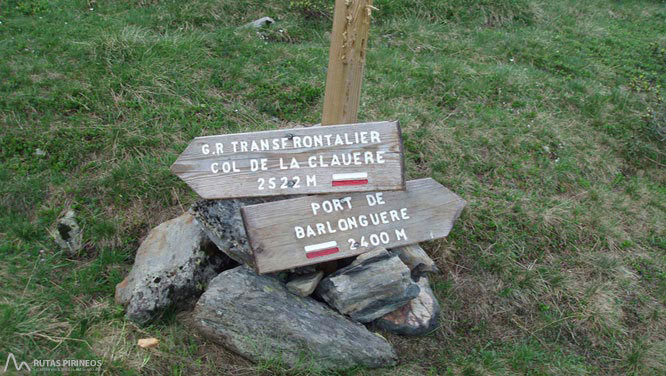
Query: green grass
(546, 116)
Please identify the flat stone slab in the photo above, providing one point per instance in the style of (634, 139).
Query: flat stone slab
(375, 284)
(258, 318)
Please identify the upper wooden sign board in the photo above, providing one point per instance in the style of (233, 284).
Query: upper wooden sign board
(341, 158)
(309, 230)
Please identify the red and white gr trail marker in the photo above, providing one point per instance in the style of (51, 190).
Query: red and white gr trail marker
(321, 249)
(353, 178)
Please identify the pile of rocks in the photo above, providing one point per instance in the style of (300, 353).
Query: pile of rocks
(303, 317)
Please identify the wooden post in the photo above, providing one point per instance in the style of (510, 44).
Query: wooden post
(349, 39)
(346, 59)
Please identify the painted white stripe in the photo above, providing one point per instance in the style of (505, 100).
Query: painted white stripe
(351, 176)
(320, 246)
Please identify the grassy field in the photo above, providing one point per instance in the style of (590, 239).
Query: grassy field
(546, 116)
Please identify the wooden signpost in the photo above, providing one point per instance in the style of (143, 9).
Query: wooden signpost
(309, 230)
(360, 167)
(346, 158)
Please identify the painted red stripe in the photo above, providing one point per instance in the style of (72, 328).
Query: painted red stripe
(340, 183)
(323, 252)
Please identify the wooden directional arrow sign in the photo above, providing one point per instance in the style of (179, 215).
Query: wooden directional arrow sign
(342, 158)
(308, 230)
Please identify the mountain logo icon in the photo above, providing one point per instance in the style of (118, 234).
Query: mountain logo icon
(18, 367)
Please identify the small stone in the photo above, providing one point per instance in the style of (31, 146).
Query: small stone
(418, 317)
(416, 259)
(257, 317)
(259, 23)
(68, 234)
(148, 343)
(375, 284)
(306, 284)
(172, 266)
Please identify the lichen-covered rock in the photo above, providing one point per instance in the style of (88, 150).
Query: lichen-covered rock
(375, 284)
(258, 318)
(416, 259)
(418, 317)
(172, 266)
(222, 222)
(68, 234)
(304, 285)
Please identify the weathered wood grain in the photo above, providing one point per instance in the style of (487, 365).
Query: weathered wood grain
(309, 230)
(295, 161)
(349, 40)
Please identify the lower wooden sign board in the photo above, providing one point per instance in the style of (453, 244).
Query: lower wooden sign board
(308, 230)
(342, 158)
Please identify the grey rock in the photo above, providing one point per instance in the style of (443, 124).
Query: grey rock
(258, 318)
(416, 259)
(259, 23)
(172, 266)
(222, 222)
(306, 284)
(375, 284)
(418, 317)
(68, 234)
